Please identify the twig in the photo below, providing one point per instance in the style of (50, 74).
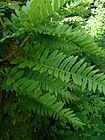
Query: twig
(24, 41)
(6, 58)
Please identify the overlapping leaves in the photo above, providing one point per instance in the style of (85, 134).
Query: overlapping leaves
(65, 68)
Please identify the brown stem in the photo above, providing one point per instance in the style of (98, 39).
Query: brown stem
(24, 41)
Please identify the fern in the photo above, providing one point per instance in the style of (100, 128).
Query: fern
(42, 81)
(79, 38)
(46, 104)
(46, 69)
(38, 12)
(58, 65)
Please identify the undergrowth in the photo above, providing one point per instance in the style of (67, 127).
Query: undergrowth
(51, 86)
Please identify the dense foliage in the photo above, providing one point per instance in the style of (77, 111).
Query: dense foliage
(52, 70)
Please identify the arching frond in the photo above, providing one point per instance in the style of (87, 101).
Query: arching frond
(65, 68)
(47, 105)
(44, 103)
(80, 38)
(30, 82)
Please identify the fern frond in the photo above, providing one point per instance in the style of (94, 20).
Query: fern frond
(80, 38)
(53, 85)
(40, 10)
(47, 105)
(35, 81)
(65, 68)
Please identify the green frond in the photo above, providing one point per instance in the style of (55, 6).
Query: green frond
(48, 105)
(65, 68)
(45, 104)
(30, 82)
(40, 10)
(46, 80)
(79, 38)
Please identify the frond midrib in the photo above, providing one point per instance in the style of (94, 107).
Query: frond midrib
(84, 77)
(59, 112)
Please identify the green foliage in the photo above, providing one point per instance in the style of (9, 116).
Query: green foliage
(49, 91)
(96, 24)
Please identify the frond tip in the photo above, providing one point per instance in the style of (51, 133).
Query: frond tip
(47, 105)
